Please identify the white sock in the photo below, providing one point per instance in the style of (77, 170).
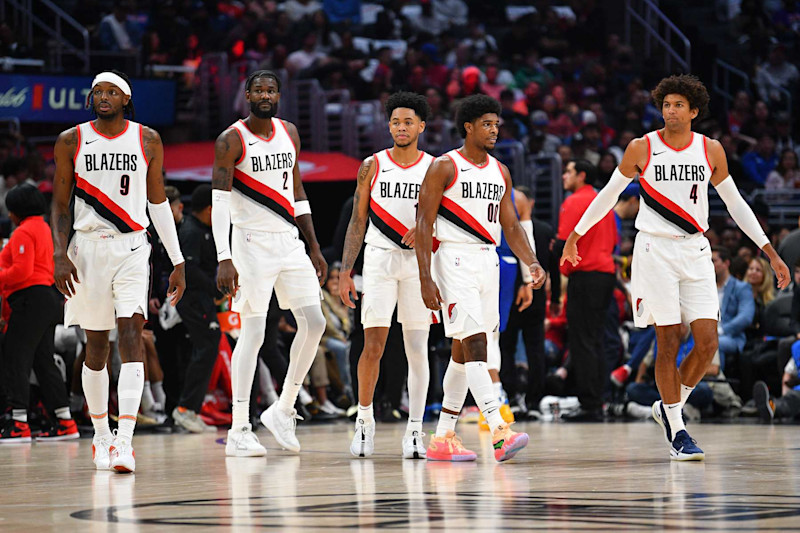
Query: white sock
(686, 391)
(95, 389)
(129, 396)
(365, 413)
(675, 417)
(147, 397)
(243, 367)
(416, 344)
(20, 415)
(310, 327)
(493, 356)
(158, 392)
(455, 391)
(62, 413)
(480, 384)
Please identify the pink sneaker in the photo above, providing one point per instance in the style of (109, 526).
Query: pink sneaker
(507, 443)
(449, 448)
(621, 375)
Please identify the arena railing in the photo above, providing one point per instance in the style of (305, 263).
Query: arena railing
(721, 81)
(659, 28)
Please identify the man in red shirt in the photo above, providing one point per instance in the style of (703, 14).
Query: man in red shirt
(26, 282)
(589, 290)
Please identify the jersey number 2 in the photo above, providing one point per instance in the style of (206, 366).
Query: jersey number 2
(125, 185)
(693, 193)
(285, 179)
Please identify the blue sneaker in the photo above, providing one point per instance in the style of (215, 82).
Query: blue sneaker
(661, 417)
(684, 448)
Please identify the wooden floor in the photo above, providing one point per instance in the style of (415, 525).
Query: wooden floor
(614, 477)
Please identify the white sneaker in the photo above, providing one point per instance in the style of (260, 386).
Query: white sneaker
(243, 442)
(100, 456)
(123, 460)
(414, 446)
(282, 426)
(189, 420)
(329, 408)
(363, 444)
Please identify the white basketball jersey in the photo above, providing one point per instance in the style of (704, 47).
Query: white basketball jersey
(262, 197)
(393, 199)
(674, 187)
(470, 208)
(110, 180)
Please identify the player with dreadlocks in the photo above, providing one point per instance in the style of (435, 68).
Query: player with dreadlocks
(258, 190)
(114, 166)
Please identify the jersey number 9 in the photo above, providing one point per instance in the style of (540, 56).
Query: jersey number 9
(125, 185)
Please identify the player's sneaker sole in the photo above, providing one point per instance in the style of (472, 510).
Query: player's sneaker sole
(520, 441)
(451, 458)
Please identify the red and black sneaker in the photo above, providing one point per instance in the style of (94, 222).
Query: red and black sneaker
(61, 430)
(14, 431)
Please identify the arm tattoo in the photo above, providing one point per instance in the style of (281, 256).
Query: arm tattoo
(151, 141)
(358, 224)
(222, 176)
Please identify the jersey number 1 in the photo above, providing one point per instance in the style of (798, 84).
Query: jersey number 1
(693, 193)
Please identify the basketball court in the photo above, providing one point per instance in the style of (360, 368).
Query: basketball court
(577, 477)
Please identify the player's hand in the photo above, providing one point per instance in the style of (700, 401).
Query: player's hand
(227, 278)
(177, 284)
(781, 272)
(408, 238)
(64, 272)
(524, 296)
(539, 275)
(154, 304)
(570, 254)
(347, 288)
(320, 265)
(431, 296)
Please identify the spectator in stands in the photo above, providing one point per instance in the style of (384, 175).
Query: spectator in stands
(783, 132)
(788, 405)
(297, 10)
(26, 282)
(300, 62)
(198, 310)
(776, 75)
(761, 161)
(538, 121)
(730, 237)
(338, 326)
(759, 124)
(116, 32)
(740, 112)
(589, 291)
(327, 39)
(737, 306)
(761, 280)
(786, 174)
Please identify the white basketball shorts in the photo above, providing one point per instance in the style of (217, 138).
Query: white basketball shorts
(272, 260)
(468, 277)
(114, 274)
(391, 278)
(672, 280)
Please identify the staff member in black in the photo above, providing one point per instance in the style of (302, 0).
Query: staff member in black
(198, 310)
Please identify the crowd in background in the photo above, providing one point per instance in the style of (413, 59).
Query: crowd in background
(566, 86)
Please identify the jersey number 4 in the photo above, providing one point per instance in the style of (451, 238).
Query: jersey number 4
(693, 193)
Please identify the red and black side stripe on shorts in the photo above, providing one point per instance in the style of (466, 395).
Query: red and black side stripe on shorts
(263, 195)
(105, 206)
(455, 214)
(389, 226)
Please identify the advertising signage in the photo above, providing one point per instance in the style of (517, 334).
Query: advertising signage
(63, 99)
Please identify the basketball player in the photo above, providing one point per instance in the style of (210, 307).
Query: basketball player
(466, 192)
(386, 194)
(115, 166)
(257, 188)
(673, 277)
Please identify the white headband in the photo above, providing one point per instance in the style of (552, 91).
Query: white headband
(110, 77)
